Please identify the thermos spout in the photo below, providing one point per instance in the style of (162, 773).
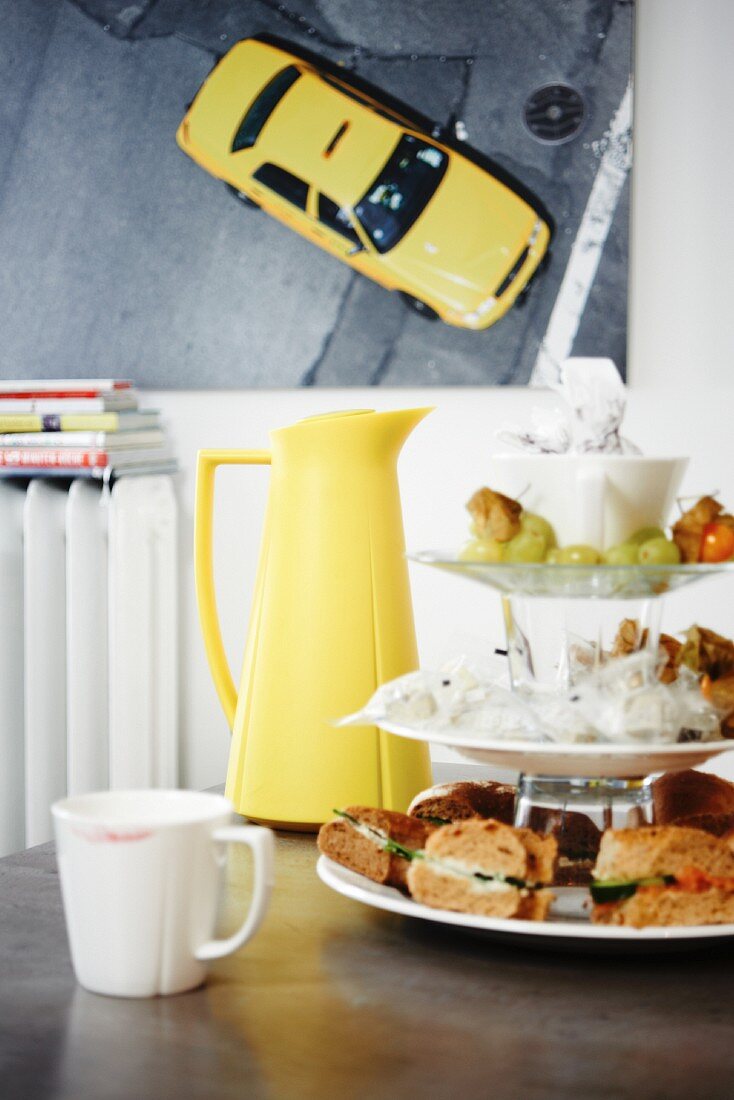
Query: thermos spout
(397, 424)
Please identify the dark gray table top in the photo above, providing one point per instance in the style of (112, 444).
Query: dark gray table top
(335, 1000)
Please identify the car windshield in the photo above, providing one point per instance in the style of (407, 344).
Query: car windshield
(262, 108)
(401, 191)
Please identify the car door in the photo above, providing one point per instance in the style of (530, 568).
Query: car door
(335, 230)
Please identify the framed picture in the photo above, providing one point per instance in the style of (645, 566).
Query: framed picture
(331, 193)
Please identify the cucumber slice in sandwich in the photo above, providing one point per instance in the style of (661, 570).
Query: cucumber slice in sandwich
(617, 889)
(385, 842)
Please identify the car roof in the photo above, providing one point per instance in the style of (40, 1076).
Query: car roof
(297, 134)
(304, 125)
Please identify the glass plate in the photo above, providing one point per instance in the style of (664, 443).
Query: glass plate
(604, 582)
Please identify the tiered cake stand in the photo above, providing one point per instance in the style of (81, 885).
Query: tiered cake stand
(552, 613)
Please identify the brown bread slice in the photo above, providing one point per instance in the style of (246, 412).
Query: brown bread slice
(488, 846)
(661, 850)
(573, 872)
(578, 841)
(654, 851)
(677, 796)
(668, 907)
(340, 841)
(459, 801)
(430, 886)
(716, 824)
(535, 905)
(541, 853)
(576, 834)
(491, 848)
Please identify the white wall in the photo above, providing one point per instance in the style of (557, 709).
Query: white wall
(682, 329)
(681, 394)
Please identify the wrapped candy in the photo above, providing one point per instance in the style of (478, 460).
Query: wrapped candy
(621, 701)
(458, 697)
(625, 701)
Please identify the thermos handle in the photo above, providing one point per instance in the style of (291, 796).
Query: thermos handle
(204, 566)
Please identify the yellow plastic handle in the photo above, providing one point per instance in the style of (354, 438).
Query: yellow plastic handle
(204, 566)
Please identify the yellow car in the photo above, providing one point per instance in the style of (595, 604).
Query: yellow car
(357, 179)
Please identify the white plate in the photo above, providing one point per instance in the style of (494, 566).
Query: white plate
(568, 928)
(585, 761)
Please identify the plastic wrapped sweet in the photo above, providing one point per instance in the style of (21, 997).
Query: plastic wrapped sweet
(457, 696)
(625, 701)
(620, 702)
(500, 715)
(562, 720)
(409, 699)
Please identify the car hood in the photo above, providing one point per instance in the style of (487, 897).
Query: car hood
(468, 237)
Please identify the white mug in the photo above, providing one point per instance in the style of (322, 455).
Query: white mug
(597, 500)
(140, 877)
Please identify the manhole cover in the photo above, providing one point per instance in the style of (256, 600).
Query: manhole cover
(554, 113)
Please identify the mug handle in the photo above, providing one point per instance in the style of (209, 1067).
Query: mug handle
(262, 844)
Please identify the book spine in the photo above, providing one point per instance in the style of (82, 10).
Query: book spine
(73, 404)
(48, 395)
(16, 422)
(78, 441)
(69, 422)
(75, 387)
(42, 456)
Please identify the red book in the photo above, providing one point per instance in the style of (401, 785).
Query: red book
(77, 457)
(52, 457)
(61, 387)
(54, 395)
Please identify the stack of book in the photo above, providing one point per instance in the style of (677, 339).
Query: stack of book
(78, 428)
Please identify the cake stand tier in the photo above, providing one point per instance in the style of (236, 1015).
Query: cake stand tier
(551, 644)
(567, 761)
(604, 582)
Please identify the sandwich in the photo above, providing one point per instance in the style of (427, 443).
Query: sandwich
(576, 834)
(663, 875)
(377, 843)
(695, 799)
(451, 802)
(578, 841)
(486, 868)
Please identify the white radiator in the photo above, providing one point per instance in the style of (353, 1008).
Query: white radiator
(88, 644)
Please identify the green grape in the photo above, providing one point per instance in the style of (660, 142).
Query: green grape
(579, 555)
(525, 547)
(645, 534)
(482, 550)
(627, 553)
(659, 551)
(539, 526)
(553, 555)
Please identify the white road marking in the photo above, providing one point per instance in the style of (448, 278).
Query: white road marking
(616, 160)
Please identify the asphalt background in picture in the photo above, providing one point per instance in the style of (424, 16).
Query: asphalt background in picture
(120, 256)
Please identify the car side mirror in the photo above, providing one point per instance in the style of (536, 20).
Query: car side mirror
(443, 131)
(355, 249)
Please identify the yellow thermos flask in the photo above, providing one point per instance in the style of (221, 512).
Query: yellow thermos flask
(331, 620)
